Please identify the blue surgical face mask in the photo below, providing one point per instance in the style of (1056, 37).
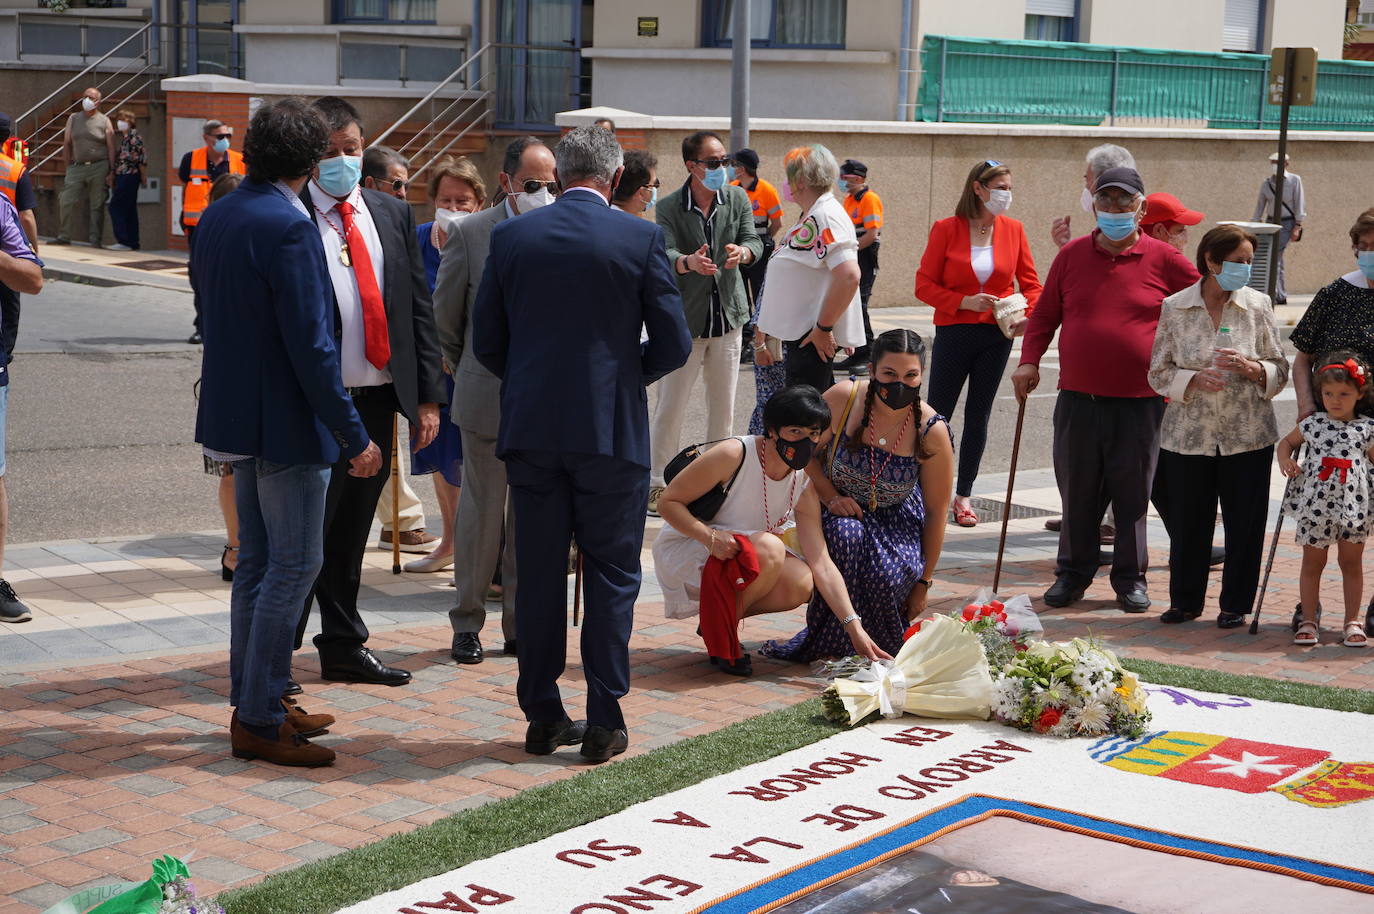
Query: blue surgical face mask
(1366, 261)
(222, 145)
(340, 174)
(714, 178)
(1233, 275)
(653, 198)
(1116, 226)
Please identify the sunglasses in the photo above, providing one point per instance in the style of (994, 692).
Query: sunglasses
(398, 185)
(532, 187)
(657, 183)
(715, 163)
(221, 136)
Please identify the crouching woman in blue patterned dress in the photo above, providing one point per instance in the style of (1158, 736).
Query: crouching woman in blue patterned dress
(884, 452)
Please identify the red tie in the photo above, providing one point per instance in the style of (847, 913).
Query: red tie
(376, 343)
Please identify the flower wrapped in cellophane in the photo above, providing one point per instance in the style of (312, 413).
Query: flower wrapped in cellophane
(941, 671)
(1074, 688)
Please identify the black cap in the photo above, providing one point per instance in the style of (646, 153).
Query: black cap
(748, 158)
(854, 167)
(1124, 178)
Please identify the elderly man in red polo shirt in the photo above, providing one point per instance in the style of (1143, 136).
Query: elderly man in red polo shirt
(1167, 219)
(1103, 295)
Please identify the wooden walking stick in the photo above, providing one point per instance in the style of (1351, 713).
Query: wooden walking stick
(395, 498)
(1011, 484)
(1269, 564)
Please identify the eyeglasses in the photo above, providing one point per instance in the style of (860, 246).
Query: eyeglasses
(532, 187)
(657, 183)
(715, 163)
(221, 136)
(398, 185)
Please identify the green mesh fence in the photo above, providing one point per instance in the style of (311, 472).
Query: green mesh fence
(1051, 82)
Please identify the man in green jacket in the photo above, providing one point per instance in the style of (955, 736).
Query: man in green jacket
(708, 226)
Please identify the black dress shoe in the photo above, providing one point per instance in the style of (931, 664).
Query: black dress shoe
(509, 648)
(542, 736)
(1230, 620)
(467, 648)
(1134, 601)
(1218, 557)
(194, 339)
(292, 688)
(1173, 615)
(743, 666)
(1297, 615)
(600, 744)
(360, 665)
(1063, 592)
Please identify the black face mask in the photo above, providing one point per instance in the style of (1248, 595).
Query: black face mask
(796, 454)
(896, 395)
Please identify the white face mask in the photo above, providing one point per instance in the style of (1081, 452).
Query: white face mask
(88, 104)
(998, 202)
(1086, 200)
(448, 218)
(123, 126)
(524, 202)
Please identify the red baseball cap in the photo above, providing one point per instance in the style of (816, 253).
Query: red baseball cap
(1167, 208)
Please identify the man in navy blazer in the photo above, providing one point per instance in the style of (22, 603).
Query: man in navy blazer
(566, 291)
(271, 402)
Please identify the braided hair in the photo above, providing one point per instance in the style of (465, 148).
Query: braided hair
(898, 342)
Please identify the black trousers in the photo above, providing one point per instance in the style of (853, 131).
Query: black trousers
(868, 271)
(1193, 486)
(976, 353)
(124, 209)
(191, 273)
(600, 500)
(348, 508)
(804, 365)
(1105, 449)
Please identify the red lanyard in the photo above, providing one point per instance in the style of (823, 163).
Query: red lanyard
(872, 475)
(768, 525)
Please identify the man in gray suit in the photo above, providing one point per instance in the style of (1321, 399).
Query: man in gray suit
(484, 511)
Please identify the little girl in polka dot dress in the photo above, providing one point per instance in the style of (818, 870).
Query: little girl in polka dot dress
(1330, 495)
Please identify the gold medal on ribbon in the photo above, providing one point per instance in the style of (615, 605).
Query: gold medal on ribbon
(344, 258)
(873, 499)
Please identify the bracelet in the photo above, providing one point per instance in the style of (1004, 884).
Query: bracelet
(760, 348)
(926, 581)
(852, 617)
(710, 546)
(823, 328)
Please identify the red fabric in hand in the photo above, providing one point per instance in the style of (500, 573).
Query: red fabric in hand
(722, 581)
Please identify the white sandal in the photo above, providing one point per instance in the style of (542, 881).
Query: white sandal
(1307, 633)
(1354, 635)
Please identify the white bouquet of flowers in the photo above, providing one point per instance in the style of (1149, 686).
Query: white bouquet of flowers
(1075, 688)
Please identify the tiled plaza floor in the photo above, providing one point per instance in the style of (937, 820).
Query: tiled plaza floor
(113, 747)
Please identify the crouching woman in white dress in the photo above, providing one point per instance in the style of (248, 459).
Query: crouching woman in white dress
(769, 500)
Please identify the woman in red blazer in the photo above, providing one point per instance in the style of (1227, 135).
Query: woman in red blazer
(969, 263)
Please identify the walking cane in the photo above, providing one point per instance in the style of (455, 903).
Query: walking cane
(577, 590)
(1269, 565)
(395, 498)
(1011, 484)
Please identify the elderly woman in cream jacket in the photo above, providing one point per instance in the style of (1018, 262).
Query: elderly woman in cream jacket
(1218, 434)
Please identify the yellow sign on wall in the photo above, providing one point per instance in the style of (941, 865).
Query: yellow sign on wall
(648, 26)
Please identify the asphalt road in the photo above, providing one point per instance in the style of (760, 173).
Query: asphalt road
(101, 431)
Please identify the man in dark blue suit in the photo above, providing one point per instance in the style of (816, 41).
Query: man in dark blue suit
(272, 403)
(565, 292)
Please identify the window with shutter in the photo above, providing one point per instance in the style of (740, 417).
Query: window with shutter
(1240, 29)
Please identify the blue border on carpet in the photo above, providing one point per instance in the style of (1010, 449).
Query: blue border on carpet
(810, 875)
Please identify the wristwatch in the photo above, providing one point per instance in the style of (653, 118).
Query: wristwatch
(926, 581)
(823, 328)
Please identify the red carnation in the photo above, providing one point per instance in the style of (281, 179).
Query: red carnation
(998, 605)
(1048, 718)
(970, 612)
(911, 630)
(1001, 617)
(988, 610)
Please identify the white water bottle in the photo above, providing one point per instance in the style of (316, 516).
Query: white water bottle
(1223, 341)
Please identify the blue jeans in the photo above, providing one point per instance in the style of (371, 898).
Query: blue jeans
(281, 549)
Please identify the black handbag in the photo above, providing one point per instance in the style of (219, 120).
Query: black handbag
(708, 505)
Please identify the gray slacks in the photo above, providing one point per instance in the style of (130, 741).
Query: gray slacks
(1105, 450)
(484, 512)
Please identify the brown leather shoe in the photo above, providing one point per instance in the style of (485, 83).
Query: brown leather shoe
(305, 724)
(289, 748)
(417, 540)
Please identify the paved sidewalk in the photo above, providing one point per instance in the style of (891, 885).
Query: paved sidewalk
(113, 746)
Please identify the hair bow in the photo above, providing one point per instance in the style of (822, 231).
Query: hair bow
(1352, 368)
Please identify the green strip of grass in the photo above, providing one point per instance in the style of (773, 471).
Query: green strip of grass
(475, 834)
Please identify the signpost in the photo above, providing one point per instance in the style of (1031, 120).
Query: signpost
(1292, 81)
(740, 51)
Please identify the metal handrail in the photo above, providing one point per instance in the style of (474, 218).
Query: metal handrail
(114, 107)
(406, 148)
(438, 132)
(66, 86)
(430, 95)
(486, 113)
